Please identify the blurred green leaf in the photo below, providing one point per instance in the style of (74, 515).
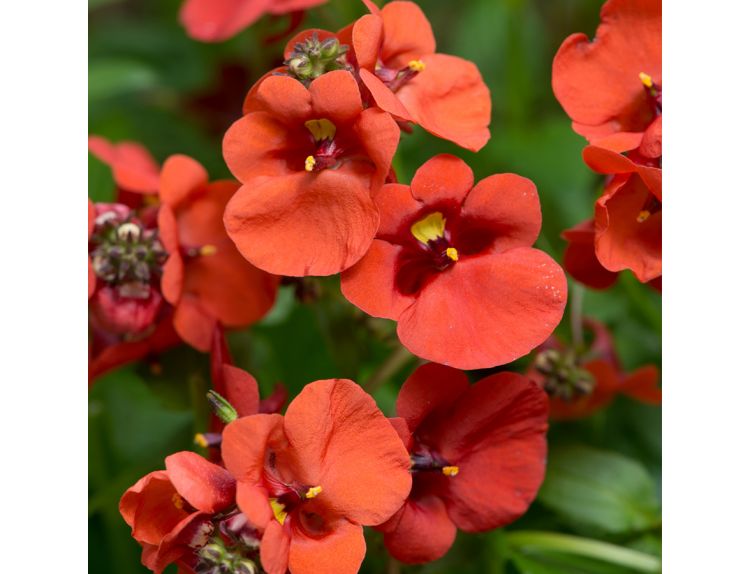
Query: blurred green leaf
(101, 183)
(110, 77)
(602, 489)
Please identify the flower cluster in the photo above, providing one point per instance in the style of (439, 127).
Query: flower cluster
(294, 491)
(451, 260)
(612, 90)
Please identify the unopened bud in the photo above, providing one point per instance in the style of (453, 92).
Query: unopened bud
(245, 567)
(329, 48)
(212, 552)
(301, 66)
(221, 407)
(129, 232)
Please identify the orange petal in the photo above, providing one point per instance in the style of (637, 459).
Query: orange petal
(487, 310)
(407, 34)
(450, 100)
(241, 390)
(430, 388)
(218, 20)
(274, 549)
(285, 98)
(345, 444)
(442, 177)
(253, 502)
(384, 98)
(181, 175)
(133, 167)
(206, 486)
(424, 531)
(172, 279)
(304, 224)
(643, 385)
(397, 208)
(193, 323)
(580, 258)
(379, 136)
(341, 550)
(244, 444)
(367, 37)
(371, 283)
(335, 96)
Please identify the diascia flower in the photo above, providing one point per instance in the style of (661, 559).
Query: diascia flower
(628, 214)
(453, 264)
(133, 168)
(205, 278)
(394, 51)
(310, 479)
(186, 515)
(611, 87)
(309, 160)
(478, 456)
(580, 381)
(218, 20)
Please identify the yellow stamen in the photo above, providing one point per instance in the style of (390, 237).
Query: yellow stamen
(643, 216)
(450, 470)
(429, 228)
(321, 129)
(177, 501)
(452, 253)
(207, 250)
(417, 66)
(309, 163)
(278, 510)
(200, 440)
(313, 491)
(647, 80)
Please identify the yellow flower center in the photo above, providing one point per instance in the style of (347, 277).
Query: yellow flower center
(321, 129)
(417, 66)
(450, 470)
(429, 228)
(279, 510)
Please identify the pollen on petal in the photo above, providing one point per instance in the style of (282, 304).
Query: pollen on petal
(417, 66)
(200, 440)
(321, 129)
(450, 470)
(429, 228)
(207, 250)
(279, 510)
(309, 163)
(313, 491)
(177, 501)
(647, 80)
(643, 216)
(452, 253)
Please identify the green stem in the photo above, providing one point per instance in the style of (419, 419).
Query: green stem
(597, 549)
(387, 369)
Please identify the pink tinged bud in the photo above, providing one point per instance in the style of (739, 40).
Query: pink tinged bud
(126, 311)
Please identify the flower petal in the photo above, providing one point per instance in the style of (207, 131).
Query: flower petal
(340, 551)
(285, 98)
(206, 486)
(486, 310)
(643, 385)
(371, 283)
(241, 390)
(407, 34)
(148, 509)
(496, 435)
(442, 177)
(345, 444)
(430, 388)
(244, 443)
(305, 224)
(424, 531)
(367, 37)
(180, 176)
(384, 98)
(580, 258)
(133, 167)
(379, 135)
(335, 96)
(194, 323)
(254, 503)
(397, 208)
(450, 100)
(218, 20)
(274, 549)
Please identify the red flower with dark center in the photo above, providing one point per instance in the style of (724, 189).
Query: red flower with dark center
(184, 513)
(205, 278)
(580, 257)
(611, 87)
(312, 478)
(218, 20)
(628, 214)
(581, 381)
(309, 161)
(478, 456)
(453, 264)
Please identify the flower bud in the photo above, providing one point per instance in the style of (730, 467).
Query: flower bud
(221, 407)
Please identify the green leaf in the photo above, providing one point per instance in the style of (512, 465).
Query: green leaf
(109, 77)
(600, 489)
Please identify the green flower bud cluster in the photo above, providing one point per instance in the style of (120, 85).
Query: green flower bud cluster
(313, 58)
(564, 378)
(216, 558)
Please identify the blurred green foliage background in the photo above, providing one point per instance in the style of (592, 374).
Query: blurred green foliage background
(150, 83)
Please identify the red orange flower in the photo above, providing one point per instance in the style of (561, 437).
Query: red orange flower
(581, 381)
(580, 257)
(394, 51)
(308, 161)
(611, 87)
(628, 214)
(175, 513)
(312, 478)
(133, 167)
(218, 20)
(478, 456)
(205, 278)
(453, 264)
